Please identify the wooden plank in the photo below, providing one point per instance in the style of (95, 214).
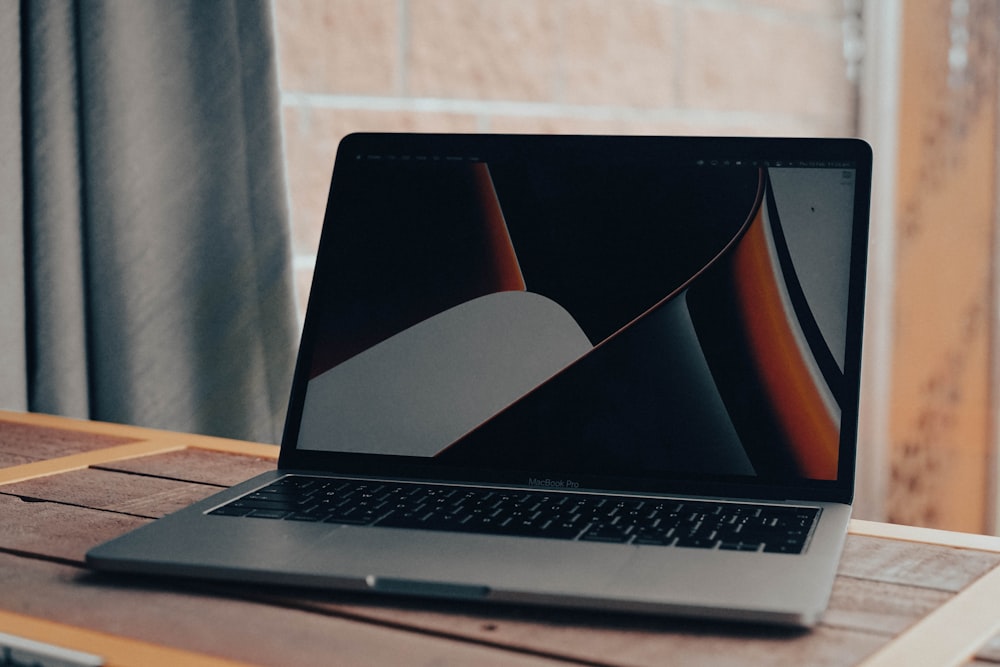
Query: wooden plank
(76, 461)
(611, 639)
(951, 634)
(224, 627)
(100, 489)
(914, 564)
(236, 447)
(879, 607)
(195, 465)
(928, 535)
(58, 531)
(37, 419)
(26, 443)
(129, 432)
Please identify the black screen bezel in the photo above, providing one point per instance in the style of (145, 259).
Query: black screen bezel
(819, 152)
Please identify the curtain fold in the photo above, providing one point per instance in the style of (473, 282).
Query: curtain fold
(152, 215)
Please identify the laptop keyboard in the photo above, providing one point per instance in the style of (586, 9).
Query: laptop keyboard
(543, 514)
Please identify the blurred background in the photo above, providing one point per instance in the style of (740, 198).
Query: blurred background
(144, 241)
(918, 79)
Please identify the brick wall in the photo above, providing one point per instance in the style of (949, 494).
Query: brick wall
(569, 66)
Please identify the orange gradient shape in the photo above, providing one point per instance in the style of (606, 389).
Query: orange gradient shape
(797, 401)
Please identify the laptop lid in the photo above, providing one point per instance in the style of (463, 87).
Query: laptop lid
(649, 314)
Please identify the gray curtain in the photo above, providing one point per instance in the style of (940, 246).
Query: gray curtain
(144, 244)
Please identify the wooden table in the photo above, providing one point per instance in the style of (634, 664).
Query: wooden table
(904, 596)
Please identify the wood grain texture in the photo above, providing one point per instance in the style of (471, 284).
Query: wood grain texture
(130, 433)
(950, 633)
(23, 443)
(879, 607)
(58, 531)
(59, 465)
(913, 564)
(137, 495)
(893, 531)
(613, 639)
(194, 465)
(223, 626)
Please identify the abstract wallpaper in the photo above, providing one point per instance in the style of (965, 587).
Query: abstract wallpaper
(583, 317)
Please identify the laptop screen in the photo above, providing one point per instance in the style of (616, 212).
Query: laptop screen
(588, 311)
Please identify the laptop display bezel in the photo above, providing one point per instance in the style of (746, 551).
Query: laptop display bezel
(853, 152)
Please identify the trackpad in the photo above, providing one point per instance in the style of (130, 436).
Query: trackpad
(469, 565)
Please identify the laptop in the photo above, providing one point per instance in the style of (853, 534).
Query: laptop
(591, 372)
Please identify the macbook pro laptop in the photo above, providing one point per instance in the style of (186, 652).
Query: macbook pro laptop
(612, 373)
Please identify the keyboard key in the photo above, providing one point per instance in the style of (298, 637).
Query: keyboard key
(268, 514)
(696, 542)
(229, 510)
(740, 546)
(277, 505)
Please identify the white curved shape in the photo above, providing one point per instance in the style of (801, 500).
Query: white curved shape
(419, 391)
